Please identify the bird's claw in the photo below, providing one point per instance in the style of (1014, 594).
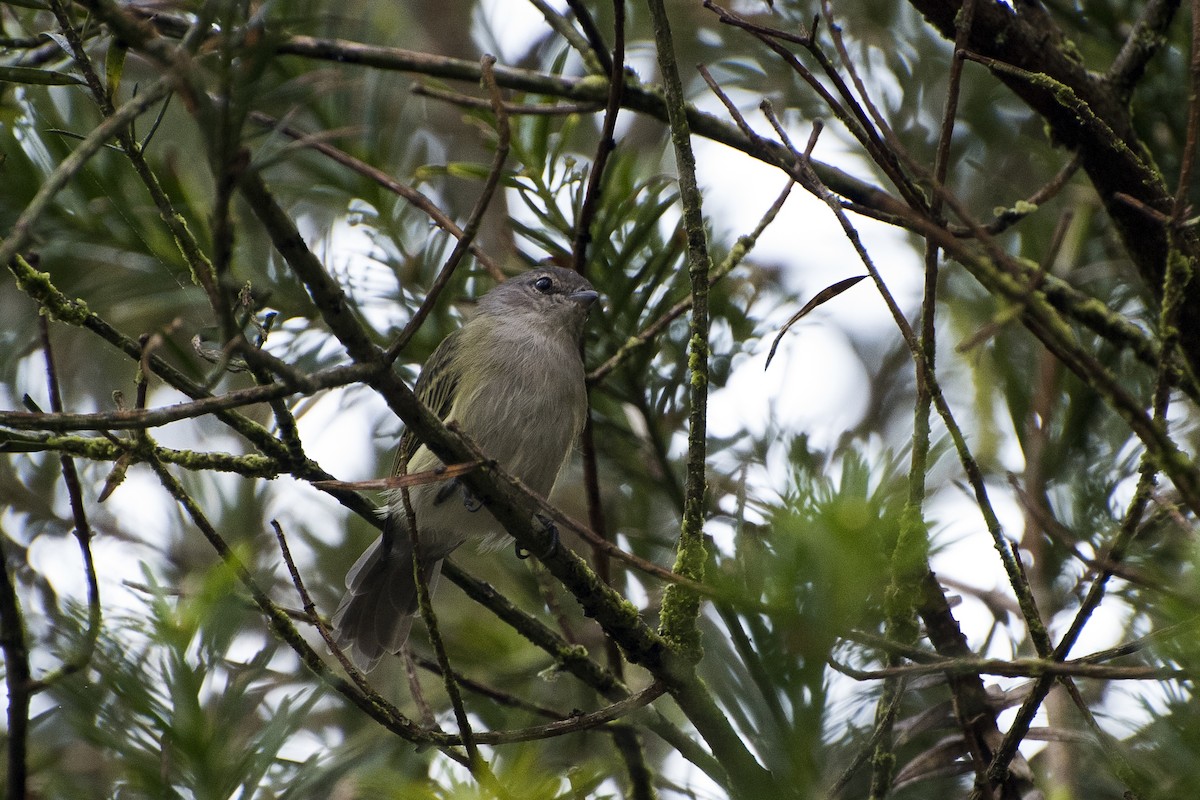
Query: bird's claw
(547, 525)
(470, 502)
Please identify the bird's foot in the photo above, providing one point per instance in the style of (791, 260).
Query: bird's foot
(470, 502)
(548, 526)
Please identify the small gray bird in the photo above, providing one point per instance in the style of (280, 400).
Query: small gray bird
(512, 378)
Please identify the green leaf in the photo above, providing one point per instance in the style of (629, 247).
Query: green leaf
(455, 169)
(41, 77)
(61, 40)
(114, 68)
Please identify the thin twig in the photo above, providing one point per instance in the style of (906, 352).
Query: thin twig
(82, 532)
(1146, 37)
(15, 645)
(1042, 669)
(575, 723)
(463, 244)
(605, 146)
(1035, 285)
(592, 32)
(595, 60)
(313, 616)
(594, 539)
(839, 45)
(1179, 204)
(680, 608)
(420, 569)
(483, 690)
(1023, 208)
(730, 106)
(512, 109)
(881, 731)
(579, 257)
(141, 419)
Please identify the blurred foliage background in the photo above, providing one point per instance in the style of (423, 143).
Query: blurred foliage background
(827, 517)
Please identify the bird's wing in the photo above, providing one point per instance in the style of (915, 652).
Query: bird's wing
(436, 388)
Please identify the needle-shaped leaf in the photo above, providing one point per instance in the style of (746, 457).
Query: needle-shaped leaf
(823, 296)
(42, 77)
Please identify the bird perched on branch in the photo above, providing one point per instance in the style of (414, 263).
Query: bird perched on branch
(512, 379)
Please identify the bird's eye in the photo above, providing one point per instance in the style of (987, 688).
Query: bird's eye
(543, 284)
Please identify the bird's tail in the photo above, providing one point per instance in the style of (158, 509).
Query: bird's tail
(376, 612)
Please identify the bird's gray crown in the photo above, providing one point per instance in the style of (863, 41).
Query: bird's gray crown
(543, 290)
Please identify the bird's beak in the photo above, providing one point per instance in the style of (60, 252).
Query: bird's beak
(585, 297)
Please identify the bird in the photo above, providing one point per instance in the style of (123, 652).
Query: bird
(512, 378)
